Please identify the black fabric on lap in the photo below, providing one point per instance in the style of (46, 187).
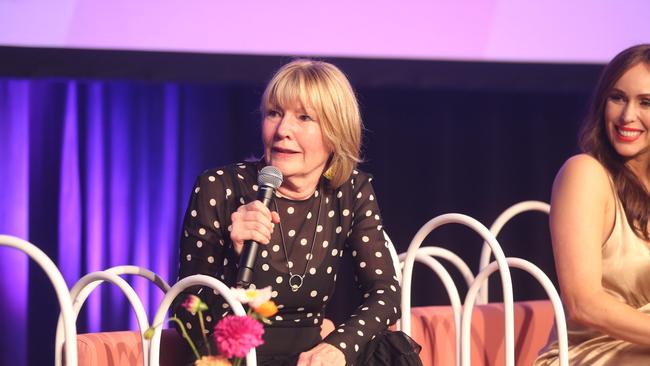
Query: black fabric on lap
(391, 349)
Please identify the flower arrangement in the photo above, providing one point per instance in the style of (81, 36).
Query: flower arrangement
(234, 336)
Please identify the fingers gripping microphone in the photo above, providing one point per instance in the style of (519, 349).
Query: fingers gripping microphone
(268, 180)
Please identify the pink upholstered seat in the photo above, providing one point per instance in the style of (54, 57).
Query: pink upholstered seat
(125, 348)
(433, 328)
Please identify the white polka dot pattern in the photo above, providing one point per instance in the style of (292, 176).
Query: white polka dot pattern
(350, 210)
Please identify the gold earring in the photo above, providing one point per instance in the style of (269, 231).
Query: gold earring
(329, 173)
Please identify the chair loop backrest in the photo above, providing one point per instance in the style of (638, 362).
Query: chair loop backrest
(495, 229)
(498, 253)
(394, 257)
(424, 257)
(84, 287)
(175, 290)
(60, 288)
(542, 278)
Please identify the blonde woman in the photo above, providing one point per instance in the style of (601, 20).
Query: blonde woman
(311, 131)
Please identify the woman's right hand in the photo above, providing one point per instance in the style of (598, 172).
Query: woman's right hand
(252, 221)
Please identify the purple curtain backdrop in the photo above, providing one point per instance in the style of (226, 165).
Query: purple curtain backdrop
(97, 174)
(14, 202)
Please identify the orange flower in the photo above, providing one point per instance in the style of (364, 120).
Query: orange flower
(212, 361)
(267, 309)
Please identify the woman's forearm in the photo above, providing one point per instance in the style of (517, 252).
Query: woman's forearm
(612, 317)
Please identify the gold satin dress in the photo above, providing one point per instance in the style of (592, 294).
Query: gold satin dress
(626, 276)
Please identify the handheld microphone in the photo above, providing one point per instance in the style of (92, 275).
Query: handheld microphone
(268, 180)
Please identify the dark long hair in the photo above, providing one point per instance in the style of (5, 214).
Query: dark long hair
(594, 141)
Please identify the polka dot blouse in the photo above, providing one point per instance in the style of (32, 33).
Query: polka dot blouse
(349, 220)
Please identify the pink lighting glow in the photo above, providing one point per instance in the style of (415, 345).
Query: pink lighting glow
(485, 30)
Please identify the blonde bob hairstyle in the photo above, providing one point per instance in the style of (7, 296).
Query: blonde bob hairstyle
(322, 87)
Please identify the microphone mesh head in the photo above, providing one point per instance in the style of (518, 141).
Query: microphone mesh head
(270, 176)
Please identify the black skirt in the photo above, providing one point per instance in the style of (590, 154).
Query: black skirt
(283, 346)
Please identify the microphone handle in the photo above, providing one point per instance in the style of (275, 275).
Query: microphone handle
(249, 252)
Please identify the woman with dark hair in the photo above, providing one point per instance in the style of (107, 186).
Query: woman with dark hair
(599, 222)
(311, 132)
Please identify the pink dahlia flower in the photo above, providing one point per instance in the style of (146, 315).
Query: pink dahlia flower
(236, 335)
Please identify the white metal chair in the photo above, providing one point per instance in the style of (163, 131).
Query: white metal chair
(496, 227)
(394, 257)
(60, 288)
(451, 257)
(412, 254)
(425, 256)
(175, 290)
(542, 278)
(84, 287)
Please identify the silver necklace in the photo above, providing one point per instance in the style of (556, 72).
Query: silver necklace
(296, 280)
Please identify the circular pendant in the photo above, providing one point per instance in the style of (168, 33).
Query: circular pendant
(295, 281)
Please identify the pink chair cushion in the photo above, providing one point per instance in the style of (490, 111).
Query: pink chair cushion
(433, 328)
(125, 348)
